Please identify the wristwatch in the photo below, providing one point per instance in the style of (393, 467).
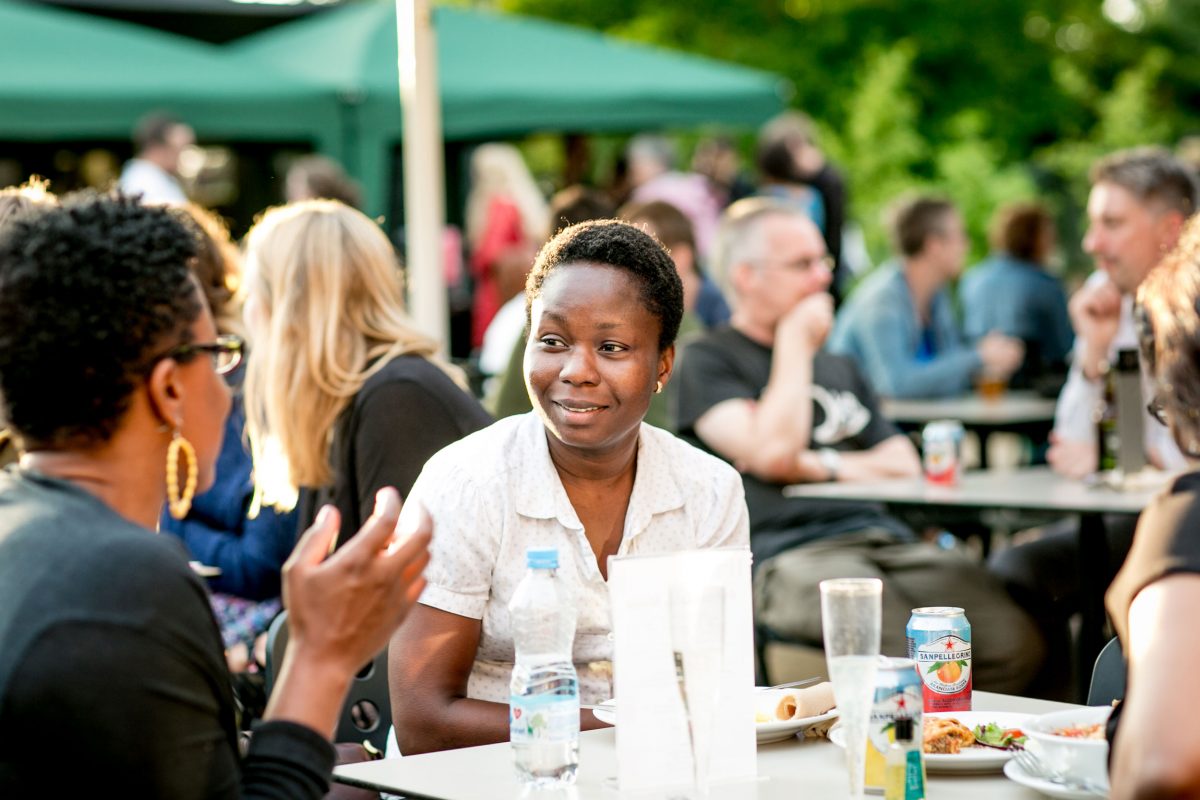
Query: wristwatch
(831, 460)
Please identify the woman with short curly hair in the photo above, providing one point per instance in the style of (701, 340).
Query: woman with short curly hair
(581, 473)
(110, 374)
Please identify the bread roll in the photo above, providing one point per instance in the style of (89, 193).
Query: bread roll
(802, 703)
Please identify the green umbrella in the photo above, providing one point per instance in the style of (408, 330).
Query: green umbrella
(69, 75)
(502, 75)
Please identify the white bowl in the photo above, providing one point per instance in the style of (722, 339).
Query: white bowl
(1074, 759)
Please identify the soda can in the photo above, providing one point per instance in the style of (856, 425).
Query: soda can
(939, 641)
(898, 693)
(941, 448)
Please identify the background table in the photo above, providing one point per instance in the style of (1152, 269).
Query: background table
(1022, 412)
(1010, 409)
(1029, 489)
(787, 770)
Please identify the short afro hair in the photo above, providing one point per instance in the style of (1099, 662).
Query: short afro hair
(618, 244)
(92, 295)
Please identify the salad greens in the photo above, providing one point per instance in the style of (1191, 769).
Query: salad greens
(992, 735)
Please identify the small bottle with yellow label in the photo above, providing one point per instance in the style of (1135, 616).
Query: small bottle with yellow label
(904, 774)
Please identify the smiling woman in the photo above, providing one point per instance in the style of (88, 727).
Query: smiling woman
(581, 473)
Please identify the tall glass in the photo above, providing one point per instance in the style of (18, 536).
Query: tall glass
(850, 612)
(698, 647)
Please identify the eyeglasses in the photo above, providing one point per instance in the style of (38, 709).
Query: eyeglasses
(802, 264)
(226, 352)
(1157, 409)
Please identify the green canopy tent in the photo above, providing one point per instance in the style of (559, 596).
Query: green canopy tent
(69, 75)
(502, 75)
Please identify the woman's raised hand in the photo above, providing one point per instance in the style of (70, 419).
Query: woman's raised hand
(343, 608)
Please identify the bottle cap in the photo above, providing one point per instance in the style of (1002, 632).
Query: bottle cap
(904, 729)
(542, 557)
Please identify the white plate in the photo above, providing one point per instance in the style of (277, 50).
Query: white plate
(766, 731)
(1016, 773)
(972, 759)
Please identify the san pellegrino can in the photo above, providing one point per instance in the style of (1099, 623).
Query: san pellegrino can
(941, 449)
(898, 695)
(939, 641)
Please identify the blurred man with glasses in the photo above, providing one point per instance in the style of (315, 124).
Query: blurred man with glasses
(762, 395)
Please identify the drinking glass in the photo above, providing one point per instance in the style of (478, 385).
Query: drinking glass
(850, 612)
(698, 648)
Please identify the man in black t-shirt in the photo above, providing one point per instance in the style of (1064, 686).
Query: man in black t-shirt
(762, 395)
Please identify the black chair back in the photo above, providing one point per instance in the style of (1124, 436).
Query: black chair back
(367, 712)
(1108, 676)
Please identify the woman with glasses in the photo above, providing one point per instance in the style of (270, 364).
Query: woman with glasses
(245, 550)
(1153, 600)
(109, 364)
(343, 394)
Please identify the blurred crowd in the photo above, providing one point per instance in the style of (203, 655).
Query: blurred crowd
(740, 324)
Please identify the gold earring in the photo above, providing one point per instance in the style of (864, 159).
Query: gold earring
(658, 387)
(179, 505)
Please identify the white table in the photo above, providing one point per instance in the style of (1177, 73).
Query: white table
(1023, 412)
(1011, 409)
(787, 770)
(1028, 489)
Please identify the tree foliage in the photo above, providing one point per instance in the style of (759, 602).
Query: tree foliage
(975, 99)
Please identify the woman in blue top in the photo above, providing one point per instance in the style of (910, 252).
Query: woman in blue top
(219, 531)
(1012, 293)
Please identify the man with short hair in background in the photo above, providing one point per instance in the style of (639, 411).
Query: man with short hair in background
(763, 395)
(899, 324)
(1137, 207)
(159, 141)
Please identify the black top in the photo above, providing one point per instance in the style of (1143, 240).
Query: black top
(403, 414)
(726, 365)
(1167, 542)
(111, 669)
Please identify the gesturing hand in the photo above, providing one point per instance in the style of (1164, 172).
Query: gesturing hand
(343, 608)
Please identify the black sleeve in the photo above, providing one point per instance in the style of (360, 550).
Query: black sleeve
(707, 376)
(880, 428)
(1166, 542)
(400, 425)
(132, 710)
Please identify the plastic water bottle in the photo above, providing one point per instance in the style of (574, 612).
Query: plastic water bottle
(543, 710)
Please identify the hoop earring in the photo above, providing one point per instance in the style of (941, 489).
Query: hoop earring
(658, 387)
(177, 504)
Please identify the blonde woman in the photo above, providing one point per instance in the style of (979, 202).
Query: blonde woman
(507, 221)
(343, 395)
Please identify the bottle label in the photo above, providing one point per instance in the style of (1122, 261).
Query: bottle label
(914, 775)
(945, 668)
(543, 718)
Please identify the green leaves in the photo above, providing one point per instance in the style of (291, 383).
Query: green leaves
(992, 735)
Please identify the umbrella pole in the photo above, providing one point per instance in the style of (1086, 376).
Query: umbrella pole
(424, 199)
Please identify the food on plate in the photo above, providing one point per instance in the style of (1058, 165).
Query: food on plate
(772, 706)
(1094, 731)
(993, 735)
(802, 703)
(946, 735)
